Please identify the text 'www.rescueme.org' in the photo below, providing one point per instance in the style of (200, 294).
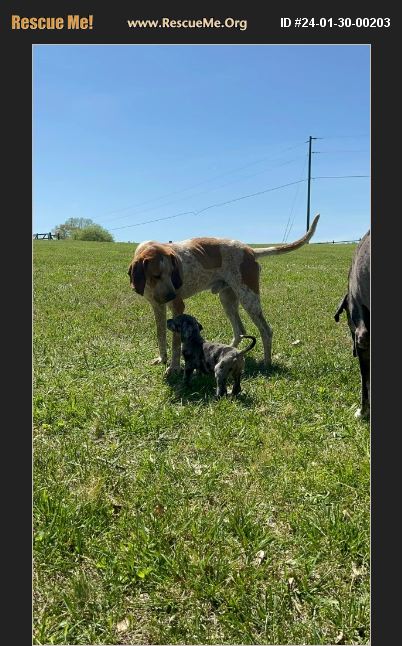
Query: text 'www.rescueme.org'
(188, 23)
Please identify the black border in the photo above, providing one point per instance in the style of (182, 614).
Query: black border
(110, 27)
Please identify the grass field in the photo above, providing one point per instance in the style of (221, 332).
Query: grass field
(163, 516)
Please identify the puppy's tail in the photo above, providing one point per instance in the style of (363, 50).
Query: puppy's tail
(252, 344)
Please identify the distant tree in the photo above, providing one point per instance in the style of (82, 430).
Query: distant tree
(61, 231)
(93, 232)
(78, 223)
(67, 229)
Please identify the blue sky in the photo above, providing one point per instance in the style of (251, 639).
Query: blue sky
(126, 134)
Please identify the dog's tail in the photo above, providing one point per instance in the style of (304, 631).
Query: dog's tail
(341, 307)
(252, 344)
(292, 246)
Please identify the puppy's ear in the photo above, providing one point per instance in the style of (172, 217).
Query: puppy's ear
(138, 278)
(341, 307)
(176, 274)
(200, 327)
(171, 325)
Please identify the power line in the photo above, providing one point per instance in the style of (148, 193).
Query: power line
(154, 208)
(169, 217)
(259, 161)
(329, 152)
(337, 176)
(287, 231)
(309, 178)
(298, 182)
(217, 177)
(346, 136)
(237, 199)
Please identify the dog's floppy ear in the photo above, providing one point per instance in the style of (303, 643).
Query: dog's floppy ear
(200, 327)
(137, 274)
(176, 275)
(171, 325)
(341, 307)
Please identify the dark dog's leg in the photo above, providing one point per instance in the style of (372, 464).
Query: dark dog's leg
(360, 319)
(364, 361)
(188, 371)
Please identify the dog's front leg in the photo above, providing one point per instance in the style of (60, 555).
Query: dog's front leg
(177, 307)
(176, 352)
(160, 319)
(188, 371)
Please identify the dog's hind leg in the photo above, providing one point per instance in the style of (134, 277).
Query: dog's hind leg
(236, 390)
(236, 374)
(221, 377)
(252, 305)
(230, 303)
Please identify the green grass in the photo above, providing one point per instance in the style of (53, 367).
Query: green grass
(152, 502)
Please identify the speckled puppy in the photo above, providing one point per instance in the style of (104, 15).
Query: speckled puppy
(223, 361)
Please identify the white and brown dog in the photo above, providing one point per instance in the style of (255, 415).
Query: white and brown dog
(169, 273)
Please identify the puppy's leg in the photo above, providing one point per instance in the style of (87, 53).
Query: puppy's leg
(236, 390)
(252, 305)
(160, 319)
(230, 303)
(236, 373)
(221, 377)
(188, 371)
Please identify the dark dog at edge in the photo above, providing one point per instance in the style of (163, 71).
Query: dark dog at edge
(356, 304)
(223, 361)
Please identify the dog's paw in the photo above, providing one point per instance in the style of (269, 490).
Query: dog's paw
(158, 361)
(172, 370)
(365, 414)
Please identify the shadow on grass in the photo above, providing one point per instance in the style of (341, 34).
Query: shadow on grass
(254, 367)
(202, 388)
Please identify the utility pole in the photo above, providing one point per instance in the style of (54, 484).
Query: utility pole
(309, 182)
(309, 179)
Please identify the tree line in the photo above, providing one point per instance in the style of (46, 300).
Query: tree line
(82, 229)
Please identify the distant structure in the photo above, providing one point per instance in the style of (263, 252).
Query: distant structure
(46, 236)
